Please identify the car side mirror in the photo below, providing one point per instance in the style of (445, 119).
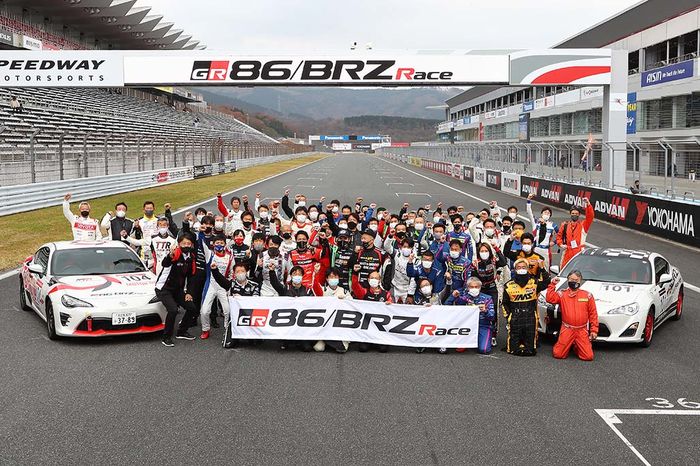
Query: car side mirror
(554, 270)
(665, 278)
(36, 268)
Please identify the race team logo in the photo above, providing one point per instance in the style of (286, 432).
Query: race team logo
(209, 70)
(553, 194)
(617, 208)
(641, 211)
(531, 188)
(253, 317)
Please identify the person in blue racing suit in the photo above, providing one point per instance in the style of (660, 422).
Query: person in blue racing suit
(472, 295)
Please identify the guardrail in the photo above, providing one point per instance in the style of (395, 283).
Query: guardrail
(669, 219)
(23, 198)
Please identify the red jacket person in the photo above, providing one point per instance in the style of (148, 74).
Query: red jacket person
(579, 318)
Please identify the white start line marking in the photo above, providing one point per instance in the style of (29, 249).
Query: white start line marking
(413, 194)
(611, 419)
(409, 184)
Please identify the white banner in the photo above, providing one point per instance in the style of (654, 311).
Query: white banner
(480, 176)
(330, 318)
(80, 68)
(510, 183)
(208, 68)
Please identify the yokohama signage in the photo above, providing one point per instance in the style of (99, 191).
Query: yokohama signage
(86, 68)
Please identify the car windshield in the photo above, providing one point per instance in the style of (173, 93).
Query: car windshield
(610, 269)
(95, 261)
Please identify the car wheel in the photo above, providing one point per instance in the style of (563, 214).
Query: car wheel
(23, 296)
(648, 334)
(50, 322)
(679, 306)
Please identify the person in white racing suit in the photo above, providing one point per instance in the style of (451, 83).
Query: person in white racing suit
(84, 227)
(157, 246)
(222, 257)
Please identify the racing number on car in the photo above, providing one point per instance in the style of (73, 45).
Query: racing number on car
(665, 404)
(610, 287)
(134, 278)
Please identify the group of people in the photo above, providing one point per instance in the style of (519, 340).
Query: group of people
(422, 257)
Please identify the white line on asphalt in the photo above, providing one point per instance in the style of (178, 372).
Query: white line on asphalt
(319, 179)
(410, 184)
(685, 284)
(391, 177)
(11, 273)
(413, 194)
(610, 418)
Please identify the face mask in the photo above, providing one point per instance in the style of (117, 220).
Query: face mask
(409, 221)
(437, 219)
(368, 244)
(426, 290)
(273, 251)
(301, 245)
(343, 226)
(373, 282)
(393, 225)
(454, 254)
(527, 248)
(574, 285)
(258, 247)
(85, 213)
(238, 241)
(474, 292)
(574, 218)
(400, 234)
(457, 227)
(301, 203)
(405, 252)
(296, 279)
(247, 224)
(218, 225)
(313, 215)
(264, 214)
(380, 215)
(335, 209)
(208, 230)
(437, 236)
(286, 235)
(521, 272)
(218, 248)
(374, 227)
(199, 217)
(427, 264)
(513, 215)
(419, 226)
(333, 282)
(121, 213)
(149, 213)
(545, 217)
(301, 218)
(489, 232)
(518, 233)
(484, 255)
(240, 277)
(352, 225)
(186, 249)
(506, 228)
(162, 231)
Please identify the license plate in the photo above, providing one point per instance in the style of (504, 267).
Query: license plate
(123, 318)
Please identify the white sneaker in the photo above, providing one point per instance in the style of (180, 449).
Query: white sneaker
(494, 342)
(442, 350)
(320, 346)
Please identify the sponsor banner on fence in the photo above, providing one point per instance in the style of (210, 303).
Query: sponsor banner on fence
(468, 173)
(201, 171)
(480, 176)
(171, 175)
(80, 68)
(660, 217)
(330, 318)
(493, 179)
(6, 37)
(510, 183)
(456, 170)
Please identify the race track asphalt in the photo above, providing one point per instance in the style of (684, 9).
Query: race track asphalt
(133, 401)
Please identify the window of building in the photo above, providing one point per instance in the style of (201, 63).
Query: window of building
(673, 50)
(688, 44)
(656, 56)
(633, 62)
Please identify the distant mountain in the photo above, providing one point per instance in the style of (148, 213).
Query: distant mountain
(337, 103)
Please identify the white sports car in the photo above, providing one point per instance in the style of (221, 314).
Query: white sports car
(90, 289)
(634, 291)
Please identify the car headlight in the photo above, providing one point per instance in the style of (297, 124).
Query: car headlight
(627, 309)
(70, 301)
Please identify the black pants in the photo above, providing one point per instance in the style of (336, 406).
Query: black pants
(173, 301)
(522, 330)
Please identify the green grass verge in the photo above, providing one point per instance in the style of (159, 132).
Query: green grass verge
(23, 233)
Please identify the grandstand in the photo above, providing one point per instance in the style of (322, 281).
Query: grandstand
(68, 133)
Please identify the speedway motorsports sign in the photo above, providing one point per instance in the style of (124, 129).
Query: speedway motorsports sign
(61, 69)
(330, 318)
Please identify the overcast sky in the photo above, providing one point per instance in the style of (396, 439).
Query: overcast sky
(313, 25)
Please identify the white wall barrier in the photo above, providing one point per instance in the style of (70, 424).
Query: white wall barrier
(23, 198)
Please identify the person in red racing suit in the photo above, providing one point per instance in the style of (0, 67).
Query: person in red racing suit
(579, 318)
